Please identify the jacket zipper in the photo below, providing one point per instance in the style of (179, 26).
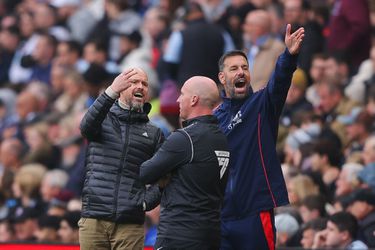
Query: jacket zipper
(122, 163)
(230, 176)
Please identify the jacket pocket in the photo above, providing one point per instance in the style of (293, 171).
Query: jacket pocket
(81, 222)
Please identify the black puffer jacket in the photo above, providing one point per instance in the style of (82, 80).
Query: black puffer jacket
(119, 141)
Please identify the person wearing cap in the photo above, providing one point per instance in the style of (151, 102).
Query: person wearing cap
(196, 157)
(340, 233)
(250, 121)
(120, 138)
(362, 206)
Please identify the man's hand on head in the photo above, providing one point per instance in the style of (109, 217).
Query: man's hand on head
(122, 81)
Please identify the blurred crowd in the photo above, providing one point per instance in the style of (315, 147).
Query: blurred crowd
(57, 56)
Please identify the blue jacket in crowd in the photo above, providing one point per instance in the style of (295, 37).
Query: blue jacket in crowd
(255, 180)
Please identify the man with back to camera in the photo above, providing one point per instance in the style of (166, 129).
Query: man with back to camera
(196, 157)
(250, 121)
(120, 139)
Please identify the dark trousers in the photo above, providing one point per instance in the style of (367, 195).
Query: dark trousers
(173, 244)
(255, 232)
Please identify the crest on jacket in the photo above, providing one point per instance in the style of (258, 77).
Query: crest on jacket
(236, 120)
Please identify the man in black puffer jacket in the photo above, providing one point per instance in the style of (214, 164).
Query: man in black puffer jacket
(120, 139)
(196, 157)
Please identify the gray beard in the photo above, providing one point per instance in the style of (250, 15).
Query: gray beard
(138, 107)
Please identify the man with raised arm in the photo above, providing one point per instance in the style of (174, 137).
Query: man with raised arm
(250, 121)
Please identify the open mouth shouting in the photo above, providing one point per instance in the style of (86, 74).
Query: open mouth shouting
(138, 95)
(240, 85)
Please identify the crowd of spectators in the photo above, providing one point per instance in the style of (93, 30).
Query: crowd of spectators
(56, 56)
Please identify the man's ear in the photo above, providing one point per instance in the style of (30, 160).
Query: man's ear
(345, 235)
(194, 100)
(221, 77)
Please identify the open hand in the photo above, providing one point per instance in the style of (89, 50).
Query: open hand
(294, 41)
(122, 81)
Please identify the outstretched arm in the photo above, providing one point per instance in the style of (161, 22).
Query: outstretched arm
(279, 83)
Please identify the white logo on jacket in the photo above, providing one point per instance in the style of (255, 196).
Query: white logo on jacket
(236, 120)
(223, 159)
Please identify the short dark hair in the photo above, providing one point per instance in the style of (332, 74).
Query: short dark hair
(345, 221)
(319, 56)
(328, 148)
(315, 201)
(99, 44)
(230, 54)
(49, 221)
(74, 46)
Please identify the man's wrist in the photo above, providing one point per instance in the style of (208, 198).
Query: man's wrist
(111, 93)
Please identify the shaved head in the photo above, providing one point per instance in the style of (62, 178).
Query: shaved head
(205, 88)
(199, 95)
(141, 71)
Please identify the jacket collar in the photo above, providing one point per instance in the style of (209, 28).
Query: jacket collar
(203, 119)
(131, 116)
